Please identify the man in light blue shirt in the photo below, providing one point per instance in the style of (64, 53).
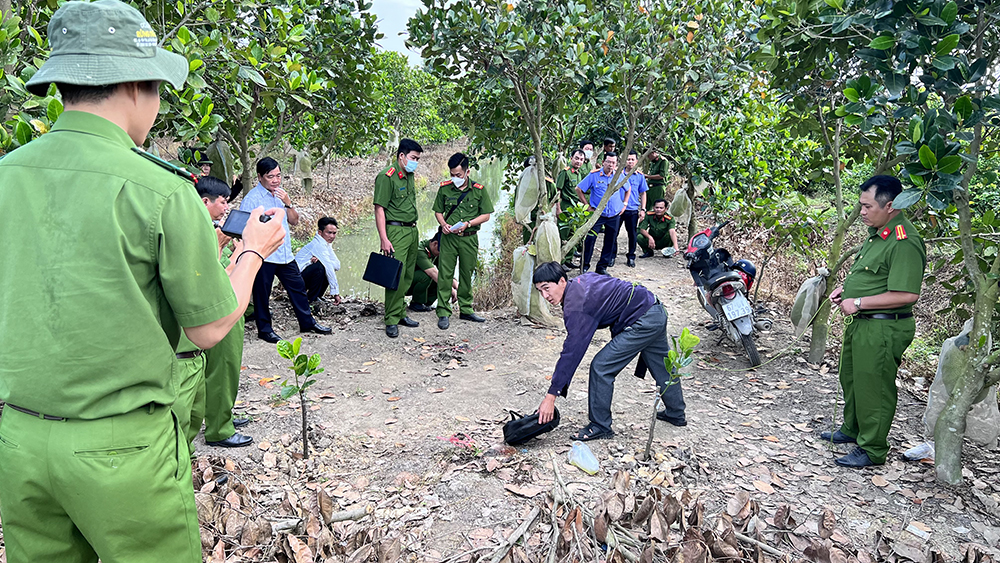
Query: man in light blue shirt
(597, 184)
(269, 195)
(635, 211)
(318, 263)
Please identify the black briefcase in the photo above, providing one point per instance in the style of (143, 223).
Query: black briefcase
(521, 429)
(383, 270)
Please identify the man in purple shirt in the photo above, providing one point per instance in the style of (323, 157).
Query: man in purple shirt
(638, 324)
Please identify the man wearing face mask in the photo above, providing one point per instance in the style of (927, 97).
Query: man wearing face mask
(461, 207)
(396, 221)
(588, 154)
(566, 182)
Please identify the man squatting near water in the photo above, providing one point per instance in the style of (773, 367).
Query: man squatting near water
(638, 324)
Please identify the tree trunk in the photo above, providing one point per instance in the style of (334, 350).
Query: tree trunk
(949, 431)
(692, 226)
(821, 324)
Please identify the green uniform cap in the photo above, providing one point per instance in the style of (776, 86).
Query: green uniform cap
(102, 43)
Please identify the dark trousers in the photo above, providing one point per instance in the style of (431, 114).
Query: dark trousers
(314, 276)
(290, 278)
(610, 227)
(630, 220)
(646, 337)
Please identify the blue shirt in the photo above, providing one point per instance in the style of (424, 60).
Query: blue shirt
(597, 183)
(592, 301)
(260, 197)
(637, 181)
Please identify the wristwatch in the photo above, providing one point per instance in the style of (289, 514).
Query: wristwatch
(857, 303)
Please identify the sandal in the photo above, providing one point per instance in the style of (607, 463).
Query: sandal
(593, 432)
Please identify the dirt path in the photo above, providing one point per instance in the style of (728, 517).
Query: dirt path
(414, 425)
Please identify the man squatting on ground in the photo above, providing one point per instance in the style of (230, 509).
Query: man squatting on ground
(92, 462)
(638, 324)
(318, 263)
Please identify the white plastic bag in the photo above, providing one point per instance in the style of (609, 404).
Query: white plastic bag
(526, 197)
(547, 242)
(520, 279)
(807, 301)
(680, 205)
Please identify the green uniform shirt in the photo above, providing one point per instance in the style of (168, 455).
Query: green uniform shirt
(657, 168)
(105, 257)
(424, 260)
(892, 259)
(475, 203)
(658, 227)
(566, 183)
(395, 191)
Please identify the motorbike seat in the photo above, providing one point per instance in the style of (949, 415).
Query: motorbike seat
(718, 279)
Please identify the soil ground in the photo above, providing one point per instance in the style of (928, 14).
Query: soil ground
(427, 410)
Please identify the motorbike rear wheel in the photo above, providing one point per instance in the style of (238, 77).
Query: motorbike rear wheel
(751, 349)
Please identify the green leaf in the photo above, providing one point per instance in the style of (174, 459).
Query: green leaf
(883, 42)
(297, 345)
(946, 45)
(314, 361)
(963, 107)
(288, 390)
(949, 12)
(927, 158)
(907, 198)
(22, 133)
(195, 64)
(250, 73)
(945, 62)
(54, 109)
(301, 364)
(851, 94)
(687, 340)
(285, 350)
(950, 164)
(212, 14)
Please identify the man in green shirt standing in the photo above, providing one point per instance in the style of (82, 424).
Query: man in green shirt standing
(92, 463)
(657, 230)
(461, 207)
(425, 277)
(877, 301)
(566, 182)
(656, 179)
(396, 221)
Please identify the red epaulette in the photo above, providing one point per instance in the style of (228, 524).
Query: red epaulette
(567, 168)
(667, 217)
(884, 233)
(445, 183)
(390, 171)
(900, 232)
(477, 186)
(547, 179)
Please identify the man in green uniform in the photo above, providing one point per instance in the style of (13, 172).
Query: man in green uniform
(657, 230)
(425, 277)
(656, 179)
(566, 182)
(461, 207)
(396, 221)
(877, 300)
(92, 463)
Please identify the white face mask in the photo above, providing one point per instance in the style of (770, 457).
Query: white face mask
(457, 181)
(588, 154)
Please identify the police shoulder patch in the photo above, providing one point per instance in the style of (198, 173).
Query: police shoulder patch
(168, 166)
(390, 171)
(477, 186)
(445, 183)
(900, 232)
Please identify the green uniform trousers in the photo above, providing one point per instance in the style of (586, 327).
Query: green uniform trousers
(118, 488)
(654, 193)
(872, 352)
(423, 289)
(222, 382)
(643, 243)
(190, 404)
(464, 251)
(405, 246)
(564, 234)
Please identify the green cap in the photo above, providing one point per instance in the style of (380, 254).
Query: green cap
(102, 43)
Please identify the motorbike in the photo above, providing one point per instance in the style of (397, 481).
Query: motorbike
(722, 287)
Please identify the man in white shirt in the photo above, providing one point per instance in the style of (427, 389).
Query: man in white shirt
(319, 263)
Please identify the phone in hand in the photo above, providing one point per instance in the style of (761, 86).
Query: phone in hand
(237, 221)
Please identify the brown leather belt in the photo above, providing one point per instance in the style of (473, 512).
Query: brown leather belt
(30, 412)
(465, 233)
(189, 355)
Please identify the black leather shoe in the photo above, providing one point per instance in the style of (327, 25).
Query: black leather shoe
(571, 265)
(240, 422)
(857, 458)
(420, 308)
(392, 331)
(662, 415)
(235, 441)
(443, 322)
(318, 329)
(601, 271)
(408, 322)
(471, 317)
(269, 336)
(630, 262)
(646, 254)
(837, 437)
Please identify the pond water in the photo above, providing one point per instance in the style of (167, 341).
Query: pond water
(354, 247)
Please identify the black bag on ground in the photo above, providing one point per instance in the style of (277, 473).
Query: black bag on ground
(519, 429)
(383, 270)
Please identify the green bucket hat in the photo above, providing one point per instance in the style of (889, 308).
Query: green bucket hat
(103, 43)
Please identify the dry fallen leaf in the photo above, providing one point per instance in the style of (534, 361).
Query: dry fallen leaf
(438, 390)
(463, 419)
(763, 487)
(879, 481)
(264, 446)
(266, 380)
(418, 339)
(393, 399)
(389, 421)
(300, 551)
(524, 491)
(771, 438)
(489, 367)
